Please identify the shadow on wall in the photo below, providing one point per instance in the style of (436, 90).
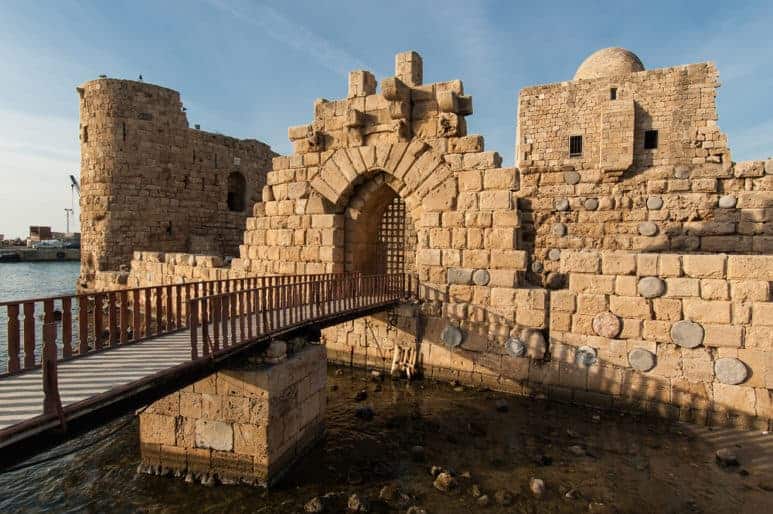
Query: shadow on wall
(559, 372)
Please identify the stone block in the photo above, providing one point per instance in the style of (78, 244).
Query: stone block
(630, 307)
(704, 266)
(618, 264)
(580, 262)
(706, 311)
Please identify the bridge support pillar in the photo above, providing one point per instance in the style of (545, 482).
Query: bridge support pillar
(245, 424)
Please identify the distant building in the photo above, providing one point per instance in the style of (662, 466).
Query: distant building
(39, 233)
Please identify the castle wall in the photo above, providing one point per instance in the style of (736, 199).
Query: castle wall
(488, 239)
(149, 182)
(686, 195)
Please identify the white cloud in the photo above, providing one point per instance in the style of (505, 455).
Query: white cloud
(288, 32)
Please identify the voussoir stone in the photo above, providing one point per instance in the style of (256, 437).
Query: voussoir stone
(451, 336)
(687, 334)
(641, 359)
(730, 371)
(554, 254)
(651, 287)
(727, 201)
(559, 229)
(481, 277)
(591, 204)
(562, 204)
(607, 325)
(648, 228)
(571, 177)
(654, 203)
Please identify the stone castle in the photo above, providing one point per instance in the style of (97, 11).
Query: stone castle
(625, 262)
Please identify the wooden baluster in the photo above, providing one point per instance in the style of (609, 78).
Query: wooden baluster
(148, 312)
(124, 318)
(13, 338)
(215, 310)
(193, 308)
(112, 316)
(83, 325)
(232, 301)
(178, 305)
(29, 335)
(205, 310)
(263, 309)
(250, 307)
(98, 323)
(136, 316)
(52, 403)
(225, 306)
(244, 310)
(159, 310)
(66, 327)
(170, 323)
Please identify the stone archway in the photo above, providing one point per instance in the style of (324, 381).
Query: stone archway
(379, 234)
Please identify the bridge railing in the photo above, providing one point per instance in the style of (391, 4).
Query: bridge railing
(222, 321)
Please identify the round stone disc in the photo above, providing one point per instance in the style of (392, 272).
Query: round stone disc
(730, 371)
(571, 177)
(651, 287)
(585, 356)
(727, 202)
(559, 229)
(481, 277)
(687, 334)
(536, 267)
(451, 336)
(554, 254)
(641, 359)
(648, 228)
(591, 204)
(607, 325)
(515, 347)
(654, 203)
(562, 204)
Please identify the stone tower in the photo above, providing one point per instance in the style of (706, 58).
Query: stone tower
(150, 182)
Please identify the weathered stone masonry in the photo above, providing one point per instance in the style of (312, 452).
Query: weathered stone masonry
(604, 273)
(150, 182)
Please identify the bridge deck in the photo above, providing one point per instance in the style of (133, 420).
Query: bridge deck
(130, 366)
(21, 396)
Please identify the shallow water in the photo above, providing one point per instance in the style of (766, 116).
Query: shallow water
(25, 280)
(631, 464)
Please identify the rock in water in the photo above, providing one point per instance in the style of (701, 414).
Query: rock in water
(361, 395)
(417, 453)
(578, 450)
(314, 506)
(503, 497)
(357, 504)
(445, 482)
(365, 413)
(483, 500)
(502, 406)
(726, 458)
(416, 510)
(537, 487)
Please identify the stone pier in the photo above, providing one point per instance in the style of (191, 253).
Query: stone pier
(245, 424)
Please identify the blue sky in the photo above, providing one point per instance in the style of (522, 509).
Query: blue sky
(251, 69)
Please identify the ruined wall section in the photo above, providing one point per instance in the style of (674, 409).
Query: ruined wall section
(686, 195)
(149, 182)
(411, 138)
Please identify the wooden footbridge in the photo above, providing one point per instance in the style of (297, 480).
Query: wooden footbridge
(97, 355)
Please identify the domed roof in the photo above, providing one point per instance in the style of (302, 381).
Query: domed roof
(607, 62)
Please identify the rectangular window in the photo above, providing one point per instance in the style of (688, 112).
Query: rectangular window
(575, 146)
(613, 93)
(650, 139)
